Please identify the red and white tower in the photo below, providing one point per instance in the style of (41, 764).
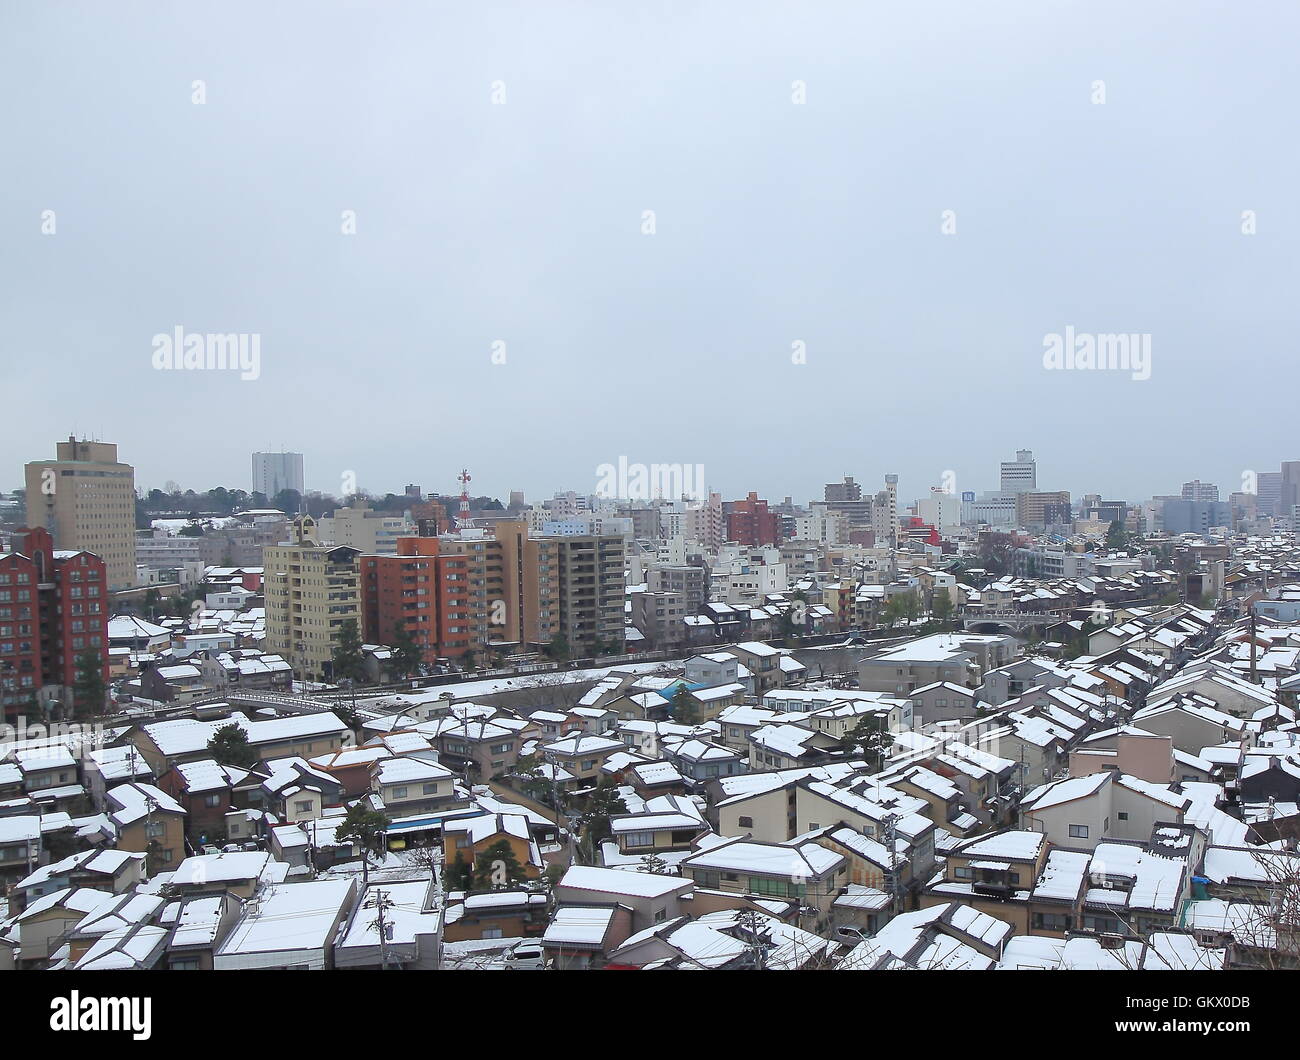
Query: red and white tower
(462, 520)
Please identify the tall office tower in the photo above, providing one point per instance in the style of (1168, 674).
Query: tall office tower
(273, 472)
(1020, 475)
(1269, 487)
(85, 498)
(311, 590)
(1289, 494)
(1196, 490)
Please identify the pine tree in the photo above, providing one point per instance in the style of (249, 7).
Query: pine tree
(407, 655)
(683, 707)
(497, 867)
(88, 689)
(229, 746)
(349, 662)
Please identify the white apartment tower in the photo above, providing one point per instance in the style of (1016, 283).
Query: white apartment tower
(273, 472)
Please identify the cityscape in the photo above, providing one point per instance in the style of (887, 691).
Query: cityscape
(727, 486)
(270, 728)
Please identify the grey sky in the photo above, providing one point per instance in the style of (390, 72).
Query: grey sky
(775, 222)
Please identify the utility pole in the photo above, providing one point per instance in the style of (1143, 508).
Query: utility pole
(748, 922)
(1254, 644)
(890, 835)
(382, 902)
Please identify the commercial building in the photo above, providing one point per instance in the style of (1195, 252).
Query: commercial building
(85, 498)
(1021, 474)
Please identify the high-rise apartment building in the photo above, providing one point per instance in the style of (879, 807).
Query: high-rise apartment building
(85, 498)
(401, 592)
(884, 513)
(53, 611)
(369, 531)
(591, 587)
(273, 472)
(749, 522)
(848, 490)
(311, 590)
(1039, 509)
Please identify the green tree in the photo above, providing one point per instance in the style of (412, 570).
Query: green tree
(593, 823)
(230, 747)
(683, 708)
(870, 739)
(911, 605)
(88, 688)
(366, 828)
(497, 868)
(457, 874)
(407, 655)
(1115, 536)
(348, 660)
(941, 606)
(533, 781)
(557, 649)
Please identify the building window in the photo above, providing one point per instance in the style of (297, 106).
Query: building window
(1078, 831)
(745, 822)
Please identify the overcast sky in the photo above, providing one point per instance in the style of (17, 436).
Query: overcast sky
(775, 222)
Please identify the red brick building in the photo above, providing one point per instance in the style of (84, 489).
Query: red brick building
(750, 523)
(53, 608)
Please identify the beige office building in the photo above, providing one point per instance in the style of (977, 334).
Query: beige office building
(85, 498)
(311, 590)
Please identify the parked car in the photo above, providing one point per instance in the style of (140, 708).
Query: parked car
(527, 955)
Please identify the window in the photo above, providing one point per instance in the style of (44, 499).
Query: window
(399, 793)
(638, 839)
(1122, 815)
(1078, 831)
(745, 822)
(963, 873)
(302, 807)
(431, 789)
